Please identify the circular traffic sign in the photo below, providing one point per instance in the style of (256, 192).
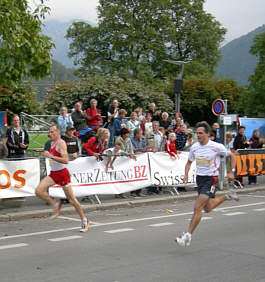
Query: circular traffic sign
(218, 107)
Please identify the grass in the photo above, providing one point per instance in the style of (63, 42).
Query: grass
(37, 140)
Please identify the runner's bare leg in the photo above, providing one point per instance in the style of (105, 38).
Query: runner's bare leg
(73, 201)
(200, 203)
(41, 190)
(213, 203)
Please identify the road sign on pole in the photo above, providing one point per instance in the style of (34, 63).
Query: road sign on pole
(218, 107)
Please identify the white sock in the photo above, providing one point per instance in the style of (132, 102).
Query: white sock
(189, 234)
(85, 221)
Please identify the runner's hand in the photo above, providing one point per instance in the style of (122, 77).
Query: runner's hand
(230, 176)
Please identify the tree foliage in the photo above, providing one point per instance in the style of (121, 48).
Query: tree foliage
(17, 99)
(24, 51)
(135, 37)
(254, 98)
(199, 94)
(131, 93)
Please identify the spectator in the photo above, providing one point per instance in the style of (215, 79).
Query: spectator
(126, 143)
(79, 117)
(240, 142)
(170, 146)
(97, 144)
(17, 139)
(154, 112)
(112, 154)
(3, 148)
(181, 138)
(148, 125)
(133, 123)
(156, 140)
(140, 116)
(94, 115)
(229, 141)
(215, 135)
(190, 140)
(119, 123)
(138, 142)
(113, 111)
(71, 142)
(164, 122)
(177, 116)
(127, 148)
(255, 142)
(64, 120)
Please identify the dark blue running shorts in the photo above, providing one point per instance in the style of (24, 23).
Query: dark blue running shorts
(206, 185)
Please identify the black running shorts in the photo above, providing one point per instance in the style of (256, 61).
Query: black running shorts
(206, 185)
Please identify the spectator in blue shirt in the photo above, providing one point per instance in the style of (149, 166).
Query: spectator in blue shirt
(115, 128)
(138, 142)
(64, 120)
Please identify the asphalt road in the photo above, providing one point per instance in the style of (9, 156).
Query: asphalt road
(137, 244)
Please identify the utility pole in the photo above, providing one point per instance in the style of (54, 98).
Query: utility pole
(178, 83)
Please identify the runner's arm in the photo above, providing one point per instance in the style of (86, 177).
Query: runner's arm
(230, 174)
(63, 150)
(187, 169)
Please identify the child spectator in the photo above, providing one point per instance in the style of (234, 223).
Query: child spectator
(170, 145)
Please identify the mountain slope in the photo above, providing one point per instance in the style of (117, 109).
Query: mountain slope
(237, 62)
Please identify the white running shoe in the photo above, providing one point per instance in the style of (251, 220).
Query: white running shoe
(231, 195)
(84, 226)
(184, 240)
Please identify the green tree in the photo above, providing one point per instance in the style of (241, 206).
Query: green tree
(199, 94)
(254, 98)
(134, 37)
(17, 99)
(131, 93)
(24, 51)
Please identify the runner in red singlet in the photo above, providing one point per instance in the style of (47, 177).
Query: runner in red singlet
(59, 175)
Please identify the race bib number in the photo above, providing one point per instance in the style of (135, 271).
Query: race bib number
(203, 162)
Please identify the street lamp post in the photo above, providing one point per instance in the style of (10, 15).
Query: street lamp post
(178, 83)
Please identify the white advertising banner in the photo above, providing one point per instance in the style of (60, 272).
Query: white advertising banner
(19, 178)
(166, 171)
(89, 177)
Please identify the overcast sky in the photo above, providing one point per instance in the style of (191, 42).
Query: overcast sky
(238, 16)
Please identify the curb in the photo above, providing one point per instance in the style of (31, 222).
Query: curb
(114, 205)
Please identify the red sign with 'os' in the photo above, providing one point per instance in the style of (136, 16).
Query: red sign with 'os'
(218, 107)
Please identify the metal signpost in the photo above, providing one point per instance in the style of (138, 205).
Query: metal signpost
(219, 108)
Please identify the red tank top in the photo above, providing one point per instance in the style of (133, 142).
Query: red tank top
(53, 150)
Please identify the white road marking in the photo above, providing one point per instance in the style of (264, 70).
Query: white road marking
(121, 222)
(234, 213)
(263, 209)
(161, 224)
(13, 246)
(203, 218)
(69, 218)
(253, 196)
(239, 206)
(77, 219)
(119, 230)
(64, 238)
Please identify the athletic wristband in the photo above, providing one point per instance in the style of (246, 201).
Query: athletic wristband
(233, 170)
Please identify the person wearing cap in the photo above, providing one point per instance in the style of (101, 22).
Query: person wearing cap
(71, 142)
(64, 120)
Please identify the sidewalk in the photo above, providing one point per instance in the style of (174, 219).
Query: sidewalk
(34, 207)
